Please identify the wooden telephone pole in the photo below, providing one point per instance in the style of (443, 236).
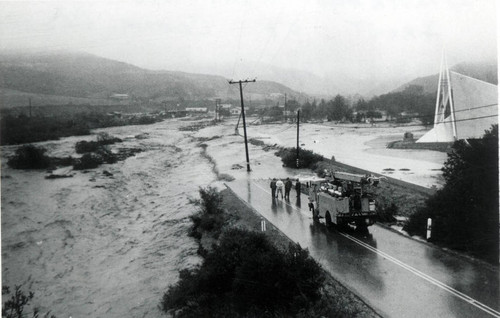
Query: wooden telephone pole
(243, 116)
(298, 121)
(217, 109)
(284, 110)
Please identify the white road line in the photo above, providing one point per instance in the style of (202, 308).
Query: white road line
(428, 278)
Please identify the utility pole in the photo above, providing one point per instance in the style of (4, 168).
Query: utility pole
(243, 116)
(284, 109)
(30, 107)
(298, 120)
(217, 102)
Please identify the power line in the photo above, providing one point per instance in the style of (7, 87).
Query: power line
(426, 116)
(466, 119)
(456, 111)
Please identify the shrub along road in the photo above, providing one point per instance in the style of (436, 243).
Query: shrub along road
(397, 276)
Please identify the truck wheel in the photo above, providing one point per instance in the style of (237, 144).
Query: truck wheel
(328, 218)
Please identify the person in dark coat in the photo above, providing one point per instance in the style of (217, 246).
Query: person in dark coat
(297, 188)
(288, 188)
(273, 187)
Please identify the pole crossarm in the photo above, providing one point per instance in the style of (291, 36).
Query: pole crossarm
(239, 82)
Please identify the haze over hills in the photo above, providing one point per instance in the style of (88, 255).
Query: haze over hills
(485, 71)
(307, 82)
(81, 78)
(87, 78)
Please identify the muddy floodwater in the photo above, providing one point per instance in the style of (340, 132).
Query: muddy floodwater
(104, 246)
(108, 244)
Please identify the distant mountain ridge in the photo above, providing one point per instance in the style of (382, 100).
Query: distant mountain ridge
(82, 75)
(81, 78)
(485, 71)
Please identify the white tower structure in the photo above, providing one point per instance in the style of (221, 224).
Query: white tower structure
(465, 107)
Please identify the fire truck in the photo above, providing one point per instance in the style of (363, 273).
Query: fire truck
(344, 199)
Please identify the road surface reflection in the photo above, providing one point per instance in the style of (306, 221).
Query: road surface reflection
(398, 276)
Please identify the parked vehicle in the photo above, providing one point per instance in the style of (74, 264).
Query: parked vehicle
(344, 199)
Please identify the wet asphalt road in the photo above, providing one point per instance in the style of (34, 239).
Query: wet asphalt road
(397, 276)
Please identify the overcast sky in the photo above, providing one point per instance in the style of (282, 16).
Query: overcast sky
(323, 37)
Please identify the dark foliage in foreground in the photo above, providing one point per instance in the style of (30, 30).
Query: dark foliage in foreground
(386, 212)
(465, 211)
(29, 157)
(307, 158)
(245, 275)
(14, 307)
(210, 218)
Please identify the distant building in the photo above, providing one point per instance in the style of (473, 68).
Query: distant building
(197, 109)
(119, 96)
(225, 106)
(176, 113)
(409, 114)
(236, 111)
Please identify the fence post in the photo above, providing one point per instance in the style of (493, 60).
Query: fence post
(429, 228)
(262, 225)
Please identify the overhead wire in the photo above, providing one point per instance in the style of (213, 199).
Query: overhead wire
(456, 111)
(431, 116)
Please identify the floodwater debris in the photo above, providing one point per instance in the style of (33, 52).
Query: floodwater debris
(107, 173)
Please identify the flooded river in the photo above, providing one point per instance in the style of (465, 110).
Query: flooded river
(104, 246)
(109, 244)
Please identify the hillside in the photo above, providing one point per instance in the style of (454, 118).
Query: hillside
(487, 72)
(80, 77)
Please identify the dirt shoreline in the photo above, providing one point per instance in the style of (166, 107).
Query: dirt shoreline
(245, 217)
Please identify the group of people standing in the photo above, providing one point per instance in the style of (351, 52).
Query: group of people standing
(277, 187)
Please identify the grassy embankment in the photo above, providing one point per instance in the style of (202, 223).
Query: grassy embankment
(249, 273)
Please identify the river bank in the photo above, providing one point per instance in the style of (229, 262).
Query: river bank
(336, 297)
(109, 244)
